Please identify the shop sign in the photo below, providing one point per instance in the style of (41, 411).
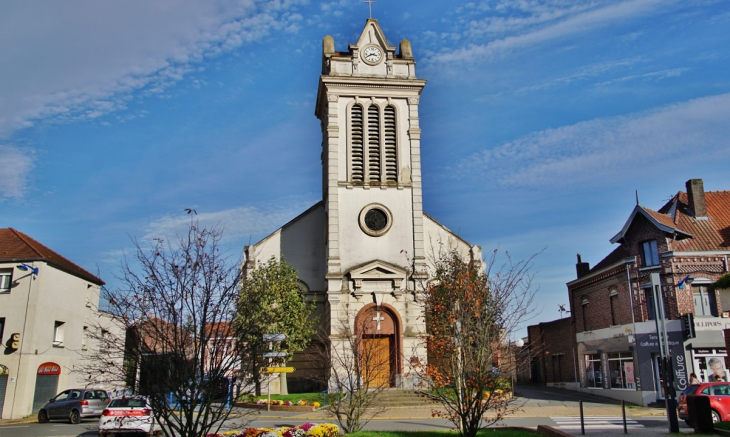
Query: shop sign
(680, 372)
(49, 369)
(703, 351)
(3, 370)
(711, 325)
(721, 351)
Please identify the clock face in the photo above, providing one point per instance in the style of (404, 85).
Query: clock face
(372, 54)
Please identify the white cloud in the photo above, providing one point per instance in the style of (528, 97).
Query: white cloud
(15, 166)
(241, 223)
(602, 150)
(540, 26)
(82, 58)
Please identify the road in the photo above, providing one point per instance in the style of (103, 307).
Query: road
(541, 406)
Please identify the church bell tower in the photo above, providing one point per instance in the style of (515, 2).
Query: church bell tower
(367, 103)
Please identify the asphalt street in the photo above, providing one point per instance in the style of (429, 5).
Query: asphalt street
(539, 406)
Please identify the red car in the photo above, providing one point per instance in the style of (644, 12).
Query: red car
(719, 393)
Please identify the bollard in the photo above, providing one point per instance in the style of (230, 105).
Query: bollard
(582, 424)
(623, 413)
(700, 413)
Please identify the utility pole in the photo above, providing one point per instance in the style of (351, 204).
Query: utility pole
(669, 398)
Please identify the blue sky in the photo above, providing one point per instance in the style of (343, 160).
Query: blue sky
(540, 119)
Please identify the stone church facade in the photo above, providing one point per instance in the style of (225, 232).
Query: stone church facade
(363, 251)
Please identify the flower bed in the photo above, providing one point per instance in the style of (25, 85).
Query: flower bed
(277, 405)
(306, 430)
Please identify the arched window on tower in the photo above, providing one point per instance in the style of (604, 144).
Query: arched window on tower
(356, 141)
(373, 143)
(391, 146)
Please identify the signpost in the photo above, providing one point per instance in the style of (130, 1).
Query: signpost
(277, 369)
(282, 371)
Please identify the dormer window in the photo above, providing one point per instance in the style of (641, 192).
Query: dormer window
(649, 253)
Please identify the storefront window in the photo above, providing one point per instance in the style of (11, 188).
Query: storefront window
(621, 369)
(594, 378)
(710, 364)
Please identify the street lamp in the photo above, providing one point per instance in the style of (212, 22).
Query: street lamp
(518, 344)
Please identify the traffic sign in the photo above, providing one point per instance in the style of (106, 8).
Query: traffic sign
(274, 337)
(277, 369)
(274, 354)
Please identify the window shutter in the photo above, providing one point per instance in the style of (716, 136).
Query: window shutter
(356, 160)
(391, 149)
(373, 143)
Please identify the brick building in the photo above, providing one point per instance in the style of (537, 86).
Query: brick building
(680, 250)
(553, 353)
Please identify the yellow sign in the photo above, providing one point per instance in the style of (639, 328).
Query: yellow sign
(277, 369)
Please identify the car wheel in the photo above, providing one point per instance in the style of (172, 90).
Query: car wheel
(715, 416)
(74, 417)
(42, 416)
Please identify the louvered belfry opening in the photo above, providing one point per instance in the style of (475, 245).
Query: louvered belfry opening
(373, 143)
(356, 122)
(391, 149)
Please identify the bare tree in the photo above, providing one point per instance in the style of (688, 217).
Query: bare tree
(471, 314)
(358, 370)
(177, 343)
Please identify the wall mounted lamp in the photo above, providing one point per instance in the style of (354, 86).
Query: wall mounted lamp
(26, 267)
(687, 280)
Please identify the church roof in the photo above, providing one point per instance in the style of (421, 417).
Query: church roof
(16, 246)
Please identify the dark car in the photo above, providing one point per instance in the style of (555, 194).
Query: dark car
(74, 404)
(719, 394)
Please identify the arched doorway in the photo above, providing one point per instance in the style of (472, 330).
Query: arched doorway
(3, 386)
(46, 384)
(378, 330)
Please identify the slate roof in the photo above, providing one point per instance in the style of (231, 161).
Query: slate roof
(16, 246)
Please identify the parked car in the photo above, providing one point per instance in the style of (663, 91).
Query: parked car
(128, 414)
(719, 394)
(74, 404)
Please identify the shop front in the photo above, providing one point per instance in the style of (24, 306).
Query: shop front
(707, 351)
(608, 364)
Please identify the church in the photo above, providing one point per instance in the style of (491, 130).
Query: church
(363, 253)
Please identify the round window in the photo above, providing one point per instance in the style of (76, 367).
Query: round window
(375, 220)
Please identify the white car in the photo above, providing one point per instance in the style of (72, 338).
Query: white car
(128, 414)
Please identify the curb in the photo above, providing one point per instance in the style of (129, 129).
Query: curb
(6, 422)
(549, 431)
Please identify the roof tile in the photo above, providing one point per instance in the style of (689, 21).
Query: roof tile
(16, 246)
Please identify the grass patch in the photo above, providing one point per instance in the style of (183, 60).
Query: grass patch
(294, 398)
(491, 432)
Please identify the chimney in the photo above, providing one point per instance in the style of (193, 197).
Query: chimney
(696, 194)
(581, 268)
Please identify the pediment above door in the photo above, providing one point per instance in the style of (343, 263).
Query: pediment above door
(377, 277)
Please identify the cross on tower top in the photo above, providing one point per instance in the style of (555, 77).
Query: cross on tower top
(370, 5)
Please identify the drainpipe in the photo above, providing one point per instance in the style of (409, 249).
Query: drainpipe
(627, 261)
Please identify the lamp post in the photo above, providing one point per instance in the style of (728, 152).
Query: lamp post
(518, 344)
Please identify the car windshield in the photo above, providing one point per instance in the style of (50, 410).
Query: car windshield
(128, 403)
(692, 389)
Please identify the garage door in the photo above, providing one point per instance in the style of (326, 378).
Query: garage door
(3, 387)
(46, 384)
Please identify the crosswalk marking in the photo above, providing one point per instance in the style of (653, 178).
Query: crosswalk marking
(595, 422)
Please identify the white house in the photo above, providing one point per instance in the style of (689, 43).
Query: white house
(47, 306)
